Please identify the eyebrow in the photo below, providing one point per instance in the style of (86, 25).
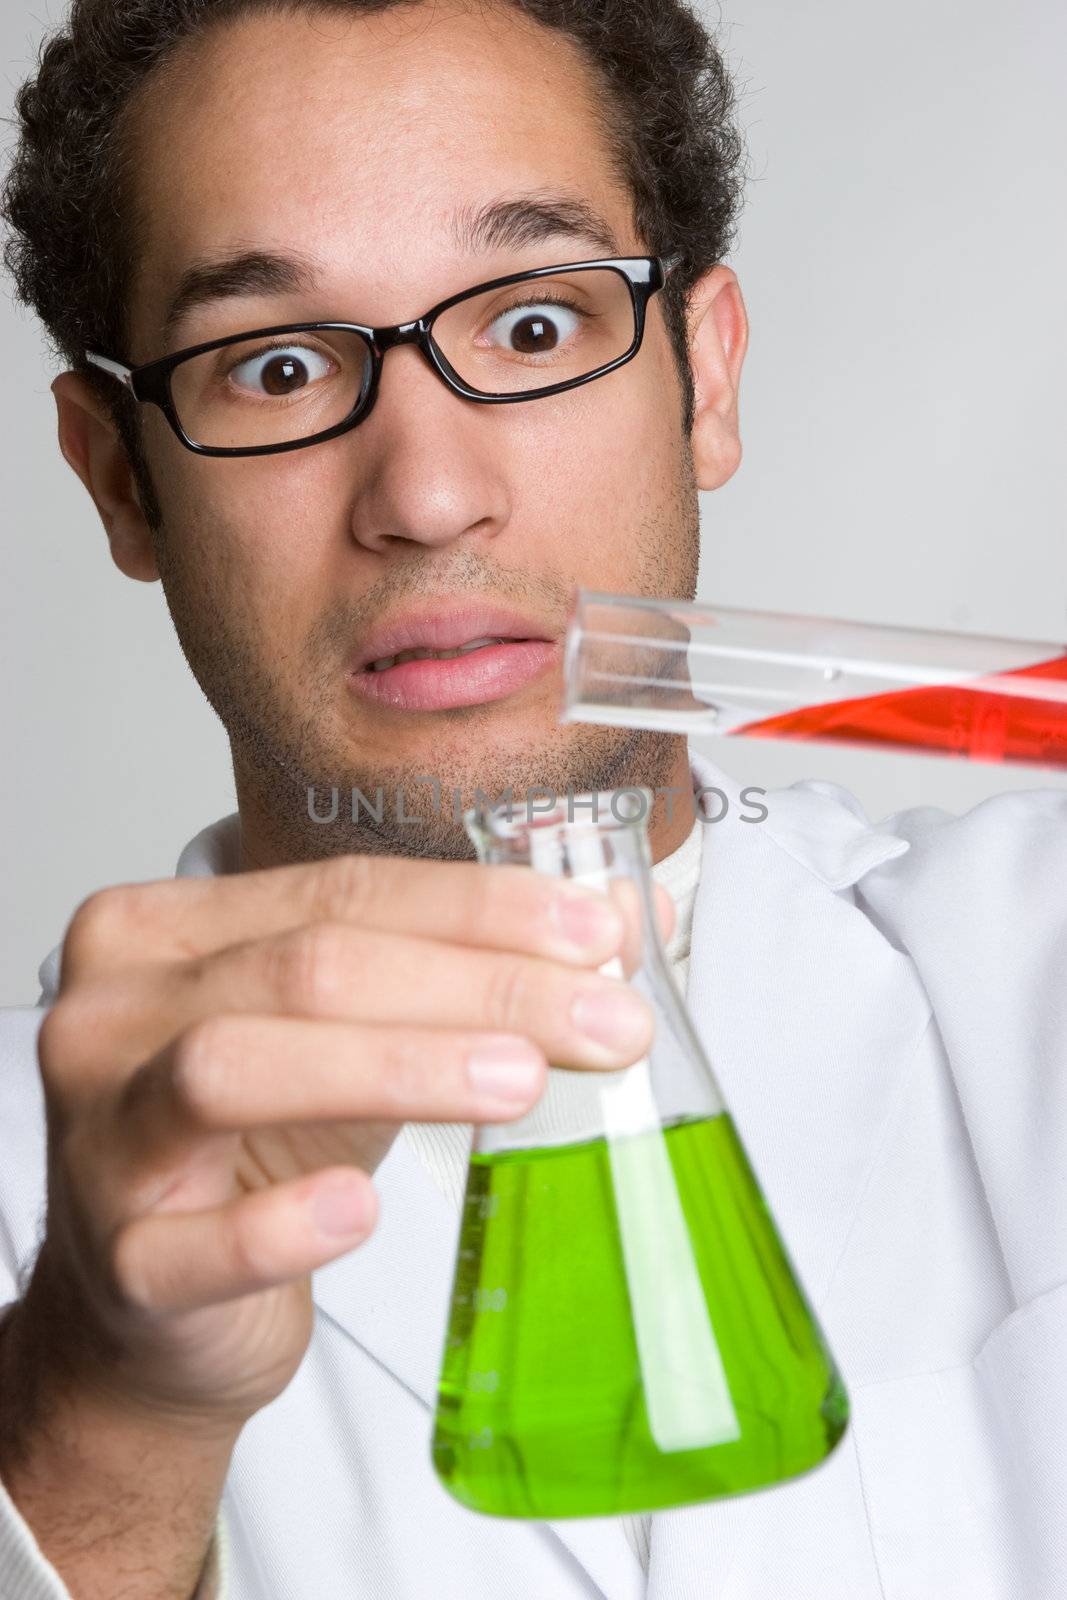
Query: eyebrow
(530, 219)
(499, 225)
(239, 272)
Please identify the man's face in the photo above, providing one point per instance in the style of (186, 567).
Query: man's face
(357, 142)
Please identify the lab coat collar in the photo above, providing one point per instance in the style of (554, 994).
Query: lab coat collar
(836, 843)
(809, 1017)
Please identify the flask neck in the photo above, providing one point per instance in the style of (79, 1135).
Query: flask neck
(594, 837)
(606, 849)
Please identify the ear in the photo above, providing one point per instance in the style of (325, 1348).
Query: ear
(718, 339)
(91, 445)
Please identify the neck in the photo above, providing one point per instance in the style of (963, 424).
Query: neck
(673, 816)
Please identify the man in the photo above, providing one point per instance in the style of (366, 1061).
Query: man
(268, 1067)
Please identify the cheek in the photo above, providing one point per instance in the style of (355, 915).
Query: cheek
(276, 512)
(606, 454)
(248, 536)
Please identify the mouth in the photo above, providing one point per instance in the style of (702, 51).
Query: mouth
(423, 653)
(452, 657)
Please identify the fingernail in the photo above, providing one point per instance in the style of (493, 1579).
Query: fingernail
(587, 920)
(616, 1018)
(338, 1207)
(504, 1069)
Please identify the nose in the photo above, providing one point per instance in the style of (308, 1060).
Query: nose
(431, 468)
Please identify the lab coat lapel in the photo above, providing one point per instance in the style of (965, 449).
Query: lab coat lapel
(392, 1296)
(808, 1014)
(809, 1017)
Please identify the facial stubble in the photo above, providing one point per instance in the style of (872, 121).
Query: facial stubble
(284, 709)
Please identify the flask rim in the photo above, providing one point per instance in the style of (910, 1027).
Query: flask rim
(570, 814)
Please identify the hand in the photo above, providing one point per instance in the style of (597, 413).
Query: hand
(228, 1061)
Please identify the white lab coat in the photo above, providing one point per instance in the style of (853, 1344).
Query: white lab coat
(886, 1009)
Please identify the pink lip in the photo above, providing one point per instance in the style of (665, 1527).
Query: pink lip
(491, 673)
(488, 673)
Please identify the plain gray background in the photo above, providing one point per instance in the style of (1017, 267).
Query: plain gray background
(903, 256)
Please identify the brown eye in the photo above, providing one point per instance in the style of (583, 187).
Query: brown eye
(281, 372)
(283, 375)
(534, 334)
(533, 330)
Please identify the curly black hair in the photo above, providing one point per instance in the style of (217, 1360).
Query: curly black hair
(669, 101)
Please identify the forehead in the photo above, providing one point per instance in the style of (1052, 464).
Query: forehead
(355, 138)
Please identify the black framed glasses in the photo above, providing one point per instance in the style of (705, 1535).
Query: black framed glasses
(520, 337)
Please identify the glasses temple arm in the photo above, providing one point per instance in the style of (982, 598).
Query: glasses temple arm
(116, 368)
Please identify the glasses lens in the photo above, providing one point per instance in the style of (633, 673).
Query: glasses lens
(543, 331)
(270, 391)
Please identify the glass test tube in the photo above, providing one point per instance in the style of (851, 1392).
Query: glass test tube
(687, 667)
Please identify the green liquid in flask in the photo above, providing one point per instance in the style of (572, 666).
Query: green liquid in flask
(543, 1407)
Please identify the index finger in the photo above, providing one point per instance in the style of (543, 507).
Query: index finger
(505, 907)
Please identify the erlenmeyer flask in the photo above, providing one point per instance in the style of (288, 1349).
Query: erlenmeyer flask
(626, 1330)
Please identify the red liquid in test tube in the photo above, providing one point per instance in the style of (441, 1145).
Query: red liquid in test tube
(698, 668)
(972, 720)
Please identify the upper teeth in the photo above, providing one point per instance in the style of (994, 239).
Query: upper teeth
(423, 655)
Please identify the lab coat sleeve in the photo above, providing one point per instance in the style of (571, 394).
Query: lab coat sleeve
(26, 1574)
